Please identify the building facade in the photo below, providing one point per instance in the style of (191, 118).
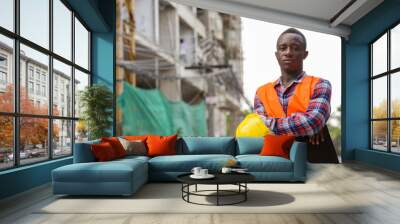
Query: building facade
(34, 85)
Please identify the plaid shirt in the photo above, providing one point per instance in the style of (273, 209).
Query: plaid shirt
(299, 124)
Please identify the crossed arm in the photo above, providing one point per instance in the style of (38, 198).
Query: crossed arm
(309, 123)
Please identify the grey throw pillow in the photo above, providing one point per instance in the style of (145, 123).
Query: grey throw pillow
(136, 148)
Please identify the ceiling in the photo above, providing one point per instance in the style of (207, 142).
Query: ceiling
(326, 16)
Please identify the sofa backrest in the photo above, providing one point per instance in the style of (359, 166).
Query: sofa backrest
(249, 145)
(189, 146)
(206, 145)
(83, 152)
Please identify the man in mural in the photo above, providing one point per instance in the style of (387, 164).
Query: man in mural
(297, 104)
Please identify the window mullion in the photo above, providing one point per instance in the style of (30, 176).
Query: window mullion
(389, 113)
(73, 82)
(50, 81)
(16, 84)
(371, 142)
(89, 55)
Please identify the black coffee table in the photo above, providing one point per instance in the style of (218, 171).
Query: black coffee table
(238, 179)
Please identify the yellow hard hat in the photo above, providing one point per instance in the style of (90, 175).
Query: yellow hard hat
(252, 126)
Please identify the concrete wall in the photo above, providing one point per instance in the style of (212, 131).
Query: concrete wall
(169, 31)
(145, 18)
(171, 87)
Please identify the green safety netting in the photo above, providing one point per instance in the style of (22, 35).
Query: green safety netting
(150, 112)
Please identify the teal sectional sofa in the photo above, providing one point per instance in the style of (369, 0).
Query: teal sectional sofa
(125, 176)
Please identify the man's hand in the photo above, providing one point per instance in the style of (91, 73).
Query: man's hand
(317, 138)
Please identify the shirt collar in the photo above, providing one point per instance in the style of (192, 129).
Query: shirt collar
(298, 79)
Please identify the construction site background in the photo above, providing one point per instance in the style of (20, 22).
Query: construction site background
(192, 56)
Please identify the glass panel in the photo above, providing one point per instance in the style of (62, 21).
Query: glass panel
(33, 139)
(81, 81)
(395, 47)
(395, 95)
(81, 45)
(395, 138)
(7, 14)
(35, 21)
(81, 131)
(62, 29)
(6, 74)
(6, 142)
(379, 98)
(379, 135)
(379, 55)
(62, 138)
(34, 97)
(62, 89)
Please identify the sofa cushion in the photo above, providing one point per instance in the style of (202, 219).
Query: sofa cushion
(257, 163)
(103, 152)
(249, 145)
(161, 145)
(185, 163)
(277, 145)
(206, 145)
(133, 158)
(116, 144)
(112, 171)
(135, 147)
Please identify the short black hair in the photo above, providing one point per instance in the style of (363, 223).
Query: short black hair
(295, 31)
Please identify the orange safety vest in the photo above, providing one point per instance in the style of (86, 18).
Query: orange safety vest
(298, 102)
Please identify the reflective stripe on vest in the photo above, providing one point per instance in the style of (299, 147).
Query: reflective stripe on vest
(298, 102)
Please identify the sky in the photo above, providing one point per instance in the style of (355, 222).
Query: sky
(35, 27)
(260, 65)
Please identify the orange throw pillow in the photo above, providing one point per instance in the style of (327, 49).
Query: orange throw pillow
(116, 145)
(161, 145)
(103, 152)
(135, 138)
(277, 145)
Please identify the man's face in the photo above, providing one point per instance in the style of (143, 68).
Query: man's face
(291, 52)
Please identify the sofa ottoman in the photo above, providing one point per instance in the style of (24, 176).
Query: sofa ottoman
(119, 177)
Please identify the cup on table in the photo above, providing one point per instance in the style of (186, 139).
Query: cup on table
(226, 170)
(203, 172)
(196, 171)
